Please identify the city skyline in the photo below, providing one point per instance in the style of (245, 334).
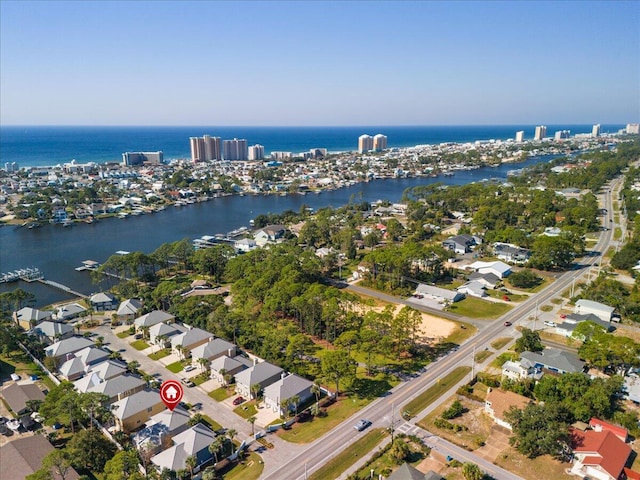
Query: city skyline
(319, 63)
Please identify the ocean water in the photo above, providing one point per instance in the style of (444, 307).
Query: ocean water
(38, 146)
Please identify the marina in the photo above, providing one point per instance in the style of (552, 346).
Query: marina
(25, 274)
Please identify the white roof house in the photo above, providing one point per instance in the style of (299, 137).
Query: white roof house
(214, 349)
(53, 330)
(439, 294)
(263, 374)
(67, 346)
(473, 288)
(102, 301)
(69, 310)
(602, 311)
(194, 441)
(128, 307)
(152, 318)
(166, 330)
(28, 316)
(285, 388)
(160, 427)
(191, 339)
(499, 269)
(108, 369)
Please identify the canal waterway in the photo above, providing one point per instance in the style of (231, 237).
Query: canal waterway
(57, 251)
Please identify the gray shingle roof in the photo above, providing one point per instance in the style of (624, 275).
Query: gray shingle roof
(135, 403)
(553, 359)
(257, 374)
(286, 388)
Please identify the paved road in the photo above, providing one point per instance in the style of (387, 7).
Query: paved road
(379, 411)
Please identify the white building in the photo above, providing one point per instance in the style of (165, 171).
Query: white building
(256, 152)
(600, 310)
(595, 131)
(541, 132)
(520, 136)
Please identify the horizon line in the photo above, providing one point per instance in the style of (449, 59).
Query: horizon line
(311, 126)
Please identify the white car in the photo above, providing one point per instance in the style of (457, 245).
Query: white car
(550, 324)
(188, 368)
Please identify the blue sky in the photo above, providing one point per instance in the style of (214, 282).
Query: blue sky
(318, 63)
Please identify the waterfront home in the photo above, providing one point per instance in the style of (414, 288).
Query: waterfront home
(284, 389)
(213, 349)
(262, 374)
(62, 348)
(17, 396)
(600, 455)
(194, 441)
(133, 411)
(554, 360)
(499, 402)
(269, 234)
(69, 311)
(602, 311)
(23, 456)
(160, 334)
(245, 245)
(103, 301)
(52, 331)
(28, 317)
(153, 318)
(128, 309)
(160, 429)
(230, 366)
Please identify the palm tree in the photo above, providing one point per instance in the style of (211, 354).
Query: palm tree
(209, 474)
(315, 389)
(252, 421)
(145, 332)
(293, 402)
(191, 461)
(231, 433)
(181, 351)
(284, 407)
(147, 378)
(99, 341)
(255, 391)
(204, 363)
(133, 366)
(161, 340)
(214, 448)
(223, 373)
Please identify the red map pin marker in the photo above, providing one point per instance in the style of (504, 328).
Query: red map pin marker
(171, 393)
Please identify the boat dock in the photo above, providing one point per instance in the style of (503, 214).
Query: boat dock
(88, 265)
(25, 274)
(64, 288)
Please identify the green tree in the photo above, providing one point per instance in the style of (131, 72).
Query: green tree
(57, 462)
(399, 451)
(524, 278)
(124, 465)
(90, 450)
(529, 342)
(252, 421)
(337, 365)
(471, 471)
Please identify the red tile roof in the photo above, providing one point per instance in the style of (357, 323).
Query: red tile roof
(631, 474)
(609, 452)
(600, 425)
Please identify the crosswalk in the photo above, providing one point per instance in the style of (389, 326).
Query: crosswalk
(408, 429)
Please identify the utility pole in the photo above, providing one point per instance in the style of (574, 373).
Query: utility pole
(473, 362)
(392, 426)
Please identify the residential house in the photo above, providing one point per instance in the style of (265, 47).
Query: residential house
(160, 429)
(103, 301)
(78, 363)
(511, 253)
(128, 309)
(153, 318)
(599, 455)
(214, 349)
(108, 369)
(245, 245)
(441, 295)
(28, 317)
(161, 333)
(23, 456)
(17, 396)
(52, 331)
(69, 311)
(230, 366)
(133, 411)
(473, 288)
(516, 371)
(408, 472)
(287, 387)
(462, 244)
(602, 311)
(269, 234)
(190, 340)
(499, 269)
(63, 348)
(571, 321)
(598, 425)
(194, 441)
(118, 387)
(489, 280)
(263, 374)
(499, 402)
(554, 360)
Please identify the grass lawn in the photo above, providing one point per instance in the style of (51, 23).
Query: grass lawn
(541, 467)
(500, 342)
(199, 379)
(503, 357)
(483, 355)
(459, 335)
(158, 355)
(124, 334)
(20, 364)
(221, 394)
(318, 426)
(246, 410)
(478, 425)
(477, 308)
(211, 423)
(140, 345)
(385, 462)
(432, 394)
(514, 297)
(350, 455)
(617, 233)
(175, 367)
(249, 469)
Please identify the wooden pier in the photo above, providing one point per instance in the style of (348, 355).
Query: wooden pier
(64, 288)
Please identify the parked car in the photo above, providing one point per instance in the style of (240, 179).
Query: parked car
(238, 400)
(507, 324)
(186, 382)
(549, 324)
(189, 368)
(506, 298)
(362, 424)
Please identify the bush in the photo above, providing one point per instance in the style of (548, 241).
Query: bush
(455, 410)
(524, 279)
(454, 427)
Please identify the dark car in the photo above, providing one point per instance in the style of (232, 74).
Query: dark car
(238, 400)
(507, 324)
(362, 424)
